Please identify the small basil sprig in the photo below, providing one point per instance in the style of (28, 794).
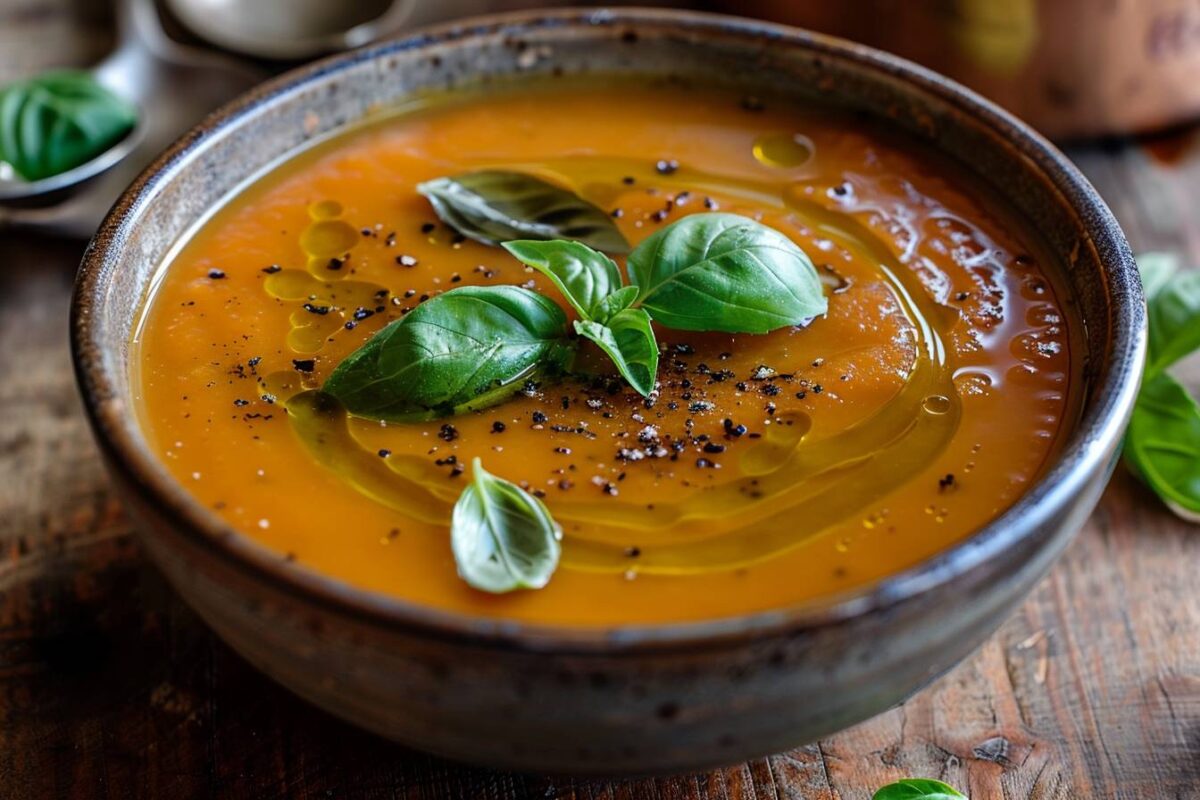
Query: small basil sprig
(467, 349)
(474, 347)
(591, 283)
(1162, 444)
(724, 272)
(493, 206)
(59, 120)
(706, 272)
(502, 537)
(918, 789)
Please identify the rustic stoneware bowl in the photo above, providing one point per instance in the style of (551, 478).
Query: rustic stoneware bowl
(636, 699)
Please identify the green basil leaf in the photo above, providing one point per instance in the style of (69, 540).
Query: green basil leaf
(628, 339)
(1163, 443)
(1156, 269)
(724, 272)
(584, 276)
(918, 789)
(494, 206)
(467, 349)
(503, 538)
(616, 302)
(58, 120)
(1174, 318)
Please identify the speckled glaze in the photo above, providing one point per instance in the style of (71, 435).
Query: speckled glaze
(648, 699)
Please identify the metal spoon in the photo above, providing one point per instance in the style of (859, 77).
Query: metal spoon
(173, 87)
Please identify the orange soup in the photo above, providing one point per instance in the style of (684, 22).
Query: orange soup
(765, 470)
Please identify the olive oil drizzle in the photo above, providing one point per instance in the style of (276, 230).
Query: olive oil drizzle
(323, 287)
(787, 475)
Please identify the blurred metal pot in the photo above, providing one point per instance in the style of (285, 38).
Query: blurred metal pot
(1072, 68)
(300, 29)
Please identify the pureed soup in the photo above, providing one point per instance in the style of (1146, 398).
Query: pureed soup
(750, 471)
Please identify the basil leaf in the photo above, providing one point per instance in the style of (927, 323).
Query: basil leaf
(494, 206)
(1163, 443)
(724, 272)
(464, 350)
(629, 341)
(619, 300)
(1156, 269)
(58, 120)
(503, 538)
(918, 789)
(1174, 318)
(584, 276)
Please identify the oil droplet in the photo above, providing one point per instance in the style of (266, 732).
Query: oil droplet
(333, 269)
(1033, 287)
(936, 404)
(290, 284)
(325, 209)
(1043, 315)
(310, 332)
(1023, 375)
(328, 238)
(843, 545)
(784, 149)
(1034, 345)
(873, 520)
(777, 443)
(972, 382)
(280, 386)
(833, 280)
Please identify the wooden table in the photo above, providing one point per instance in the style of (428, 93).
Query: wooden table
(111, 688)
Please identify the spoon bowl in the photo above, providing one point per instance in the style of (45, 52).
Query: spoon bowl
(172, 86)
(17, 192)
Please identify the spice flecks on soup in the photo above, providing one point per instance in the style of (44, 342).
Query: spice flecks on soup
(763, 471)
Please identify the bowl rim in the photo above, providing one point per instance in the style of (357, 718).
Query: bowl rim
(1085, 454)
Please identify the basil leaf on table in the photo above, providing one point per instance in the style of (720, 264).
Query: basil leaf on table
(494, 206)
(1156, 269)
(59, 120)
(1163, 443)
(628, 339)
(724, 272)
(467, 349)
(918, 789)
(503, 538)
(585, 276)
(1174, 319)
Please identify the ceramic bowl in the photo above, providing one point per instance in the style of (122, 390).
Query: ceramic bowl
(635, 699)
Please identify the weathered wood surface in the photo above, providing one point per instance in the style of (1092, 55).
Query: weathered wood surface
(111, 688)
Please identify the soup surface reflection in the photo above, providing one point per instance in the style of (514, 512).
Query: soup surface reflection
(767, 471)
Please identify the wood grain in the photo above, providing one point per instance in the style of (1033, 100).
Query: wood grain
(111, 688)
